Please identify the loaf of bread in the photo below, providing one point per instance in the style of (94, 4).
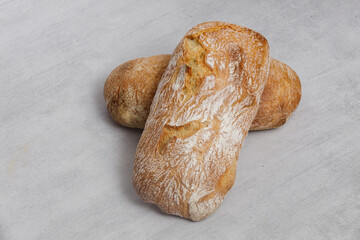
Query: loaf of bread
(130, 89)
(186, 159)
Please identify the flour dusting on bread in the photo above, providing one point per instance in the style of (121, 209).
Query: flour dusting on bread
(186, 159)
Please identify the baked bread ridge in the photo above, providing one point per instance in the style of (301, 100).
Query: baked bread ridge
(280, 98)
(185, 161)
(130, 89)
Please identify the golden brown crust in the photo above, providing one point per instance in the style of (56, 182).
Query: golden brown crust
(280, 98)
(130, 88)
(186, 158)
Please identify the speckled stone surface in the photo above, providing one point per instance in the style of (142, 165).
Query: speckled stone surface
(66, 167)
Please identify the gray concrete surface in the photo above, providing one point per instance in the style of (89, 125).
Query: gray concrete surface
(65, 170)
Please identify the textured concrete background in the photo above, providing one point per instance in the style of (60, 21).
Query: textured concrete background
(66, 167)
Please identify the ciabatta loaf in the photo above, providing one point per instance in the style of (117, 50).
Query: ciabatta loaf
(185, 162)
(130, 89)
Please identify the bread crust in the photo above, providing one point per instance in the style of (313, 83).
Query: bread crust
(130, 89)
(185, 162)
(280, 98)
